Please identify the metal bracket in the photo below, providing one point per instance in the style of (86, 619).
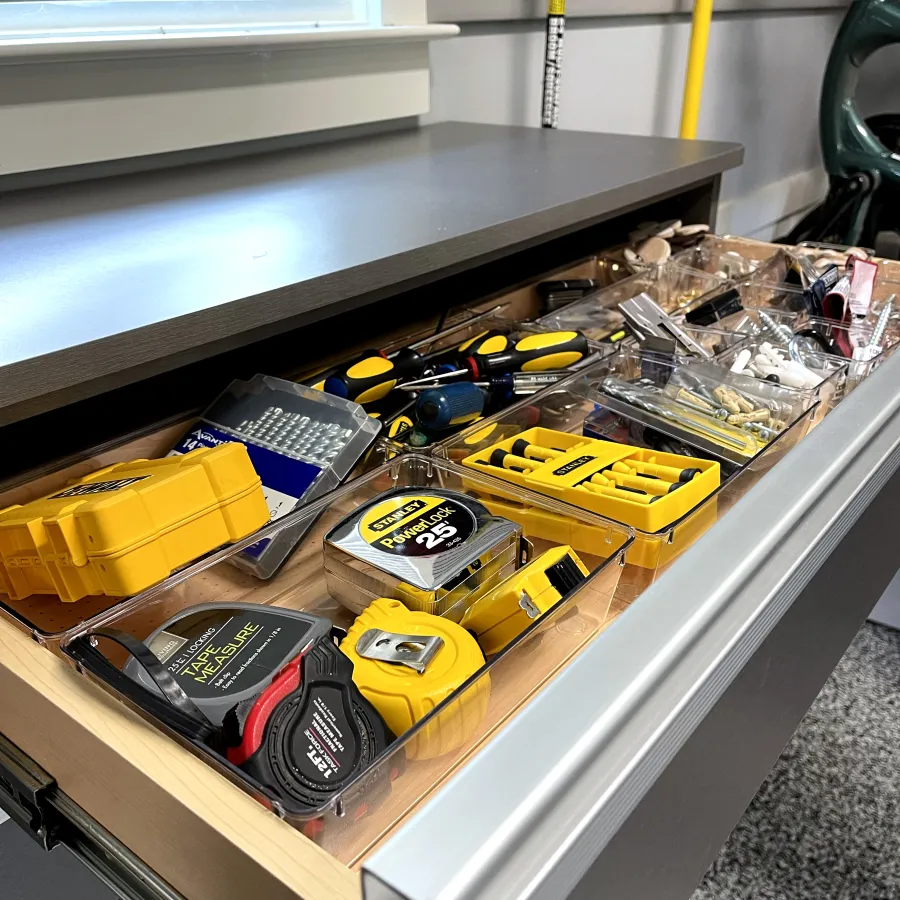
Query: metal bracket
(413, 650)
(24, 787)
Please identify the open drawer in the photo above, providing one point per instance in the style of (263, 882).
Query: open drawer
(543, 790)
(618, 711)
(170, 802)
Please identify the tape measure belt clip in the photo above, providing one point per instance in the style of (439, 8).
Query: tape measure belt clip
(412, 650)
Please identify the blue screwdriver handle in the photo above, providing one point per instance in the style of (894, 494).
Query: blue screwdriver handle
(451, 405)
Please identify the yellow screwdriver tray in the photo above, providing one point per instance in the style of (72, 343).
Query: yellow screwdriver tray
(643, 488)
(128, 526)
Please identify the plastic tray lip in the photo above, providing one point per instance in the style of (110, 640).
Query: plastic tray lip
(333, 804)
(313, 509)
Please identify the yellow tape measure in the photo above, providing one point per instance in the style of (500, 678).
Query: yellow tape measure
(503, 614)
(406, 663)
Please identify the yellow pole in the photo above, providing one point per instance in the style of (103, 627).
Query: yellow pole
(693, 79)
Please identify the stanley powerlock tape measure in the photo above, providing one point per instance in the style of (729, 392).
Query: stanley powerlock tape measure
(430, 548)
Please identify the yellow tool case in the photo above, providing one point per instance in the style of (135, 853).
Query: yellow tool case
(602, 476)
(128, 526)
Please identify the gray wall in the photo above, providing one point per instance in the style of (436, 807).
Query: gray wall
(625, 74)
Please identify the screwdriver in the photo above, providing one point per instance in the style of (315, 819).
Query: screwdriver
(372, 375)
(532, 353)
(519, 383)
(450, 405)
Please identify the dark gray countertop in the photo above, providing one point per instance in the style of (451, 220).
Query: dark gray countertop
(105, 282)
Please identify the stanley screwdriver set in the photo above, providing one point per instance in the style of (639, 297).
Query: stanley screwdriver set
(646, 490)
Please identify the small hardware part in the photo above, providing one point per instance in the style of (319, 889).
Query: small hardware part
(646, 318)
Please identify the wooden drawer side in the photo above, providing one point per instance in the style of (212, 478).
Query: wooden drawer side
(166, 806)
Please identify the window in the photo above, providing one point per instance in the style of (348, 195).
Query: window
(32, 22)
(91, 82)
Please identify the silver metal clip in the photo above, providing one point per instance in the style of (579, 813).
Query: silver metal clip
(526, 603)
(413, 650)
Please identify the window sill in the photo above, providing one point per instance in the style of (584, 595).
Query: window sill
(160, 41)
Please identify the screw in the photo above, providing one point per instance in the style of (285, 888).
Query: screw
(881, 325)
(778, 332)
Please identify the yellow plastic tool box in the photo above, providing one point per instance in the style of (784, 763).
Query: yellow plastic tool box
(127, 527)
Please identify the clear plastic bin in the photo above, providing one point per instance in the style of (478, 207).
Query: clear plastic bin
(667, 381)
(353, 821)
(570, 404)
(815, 250)
(854, 335)
(760, 293)
(727, 257)
(671, 285)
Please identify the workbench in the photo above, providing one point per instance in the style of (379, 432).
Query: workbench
(128, 302)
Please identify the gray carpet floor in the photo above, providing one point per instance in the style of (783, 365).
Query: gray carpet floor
(826, 823)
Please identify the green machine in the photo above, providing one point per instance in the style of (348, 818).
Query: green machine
(862, 157)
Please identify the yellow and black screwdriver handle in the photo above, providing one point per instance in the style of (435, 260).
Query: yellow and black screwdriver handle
(532, 353)
(374, 377)
(491, 341)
